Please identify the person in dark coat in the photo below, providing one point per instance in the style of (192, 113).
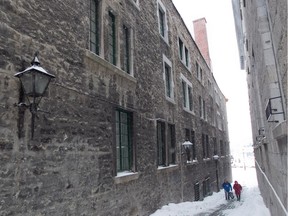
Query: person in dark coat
(237, 188)
(227, 188)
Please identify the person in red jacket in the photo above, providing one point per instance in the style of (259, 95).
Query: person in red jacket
(237, 188)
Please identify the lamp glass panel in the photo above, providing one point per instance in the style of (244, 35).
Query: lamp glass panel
(41, 83)
(27, 83)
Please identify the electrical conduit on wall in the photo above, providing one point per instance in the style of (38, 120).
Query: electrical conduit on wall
(279, 200)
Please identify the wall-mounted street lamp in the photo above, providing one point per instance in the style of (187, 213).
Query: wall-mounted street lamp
(34, 80)
(216, 159)
(188, 147)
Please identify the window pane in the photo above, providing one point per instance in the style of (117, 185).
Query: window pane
(186, 57)
(124, 151)
(162, 22)
(168, 80)
(126, 50)
(181, 49)
(94, 26)
(161, 143)
(190, 98)
(112, 39)
(171, 143)
(184, 94)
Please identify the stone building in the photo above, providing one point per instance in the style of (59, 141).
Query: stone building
(262, 37)
(131, 86)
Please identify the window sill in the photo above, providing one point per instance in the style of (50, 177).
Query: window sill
(167, 168)
(187, 67)
(171, 100)
(165, 39)
(124, 177)
(92, 58)
(189, 111)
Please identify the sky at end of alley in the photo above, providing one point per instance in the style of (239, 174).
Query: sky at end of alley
(224, 56)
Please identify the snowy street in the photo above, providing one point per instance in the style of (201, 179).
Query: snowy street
(251, 201)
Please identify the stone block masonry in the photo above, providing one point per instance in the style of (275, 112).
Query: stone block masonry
(70, 167)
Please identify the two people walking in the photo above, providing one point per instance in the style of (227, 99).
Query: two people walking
(228, 190)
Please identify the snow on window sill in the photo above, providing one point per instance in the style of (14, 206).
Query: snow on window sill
(189, 111)
(123, 177)
(192, 162)
(206, 159)
(171, 100)
(168, 168)
(92, 59)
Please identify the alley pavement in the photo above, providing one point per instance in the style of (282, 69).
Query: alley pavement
(219, 211)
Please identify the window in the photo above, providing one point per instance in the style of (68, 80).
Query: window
(187, 94)
(162, 22)
(210, 87)
(184, 54)
(94, 27)
(194, 145)
(163, 28)
(215, 152)
(112, 39)
(202, 108)
(206, 187)
(181, 49)
(222, 151)
(126, 53)
(171, 143)
(166, 146)
(190, 136)
(124, 144)
(161, 147)
(168, 79)
(205, 145)
(199, 72)
(186, 57)
(219, 121)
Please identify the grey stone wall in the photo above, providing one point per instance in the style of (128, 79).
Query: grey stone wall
(69, 166)
(266, 65)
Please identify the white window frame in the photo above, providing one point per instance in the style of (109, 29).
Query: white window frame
(186, 107)
(160, 6)
(167, 62)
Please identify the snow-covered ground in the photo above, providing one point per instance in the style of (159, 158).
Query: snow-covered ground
(251, 201)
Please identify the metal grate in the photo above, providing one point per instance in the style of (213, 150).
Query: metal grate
(197, 191)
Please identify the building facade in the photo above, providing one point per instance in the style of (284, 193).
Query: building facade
(131, 87)
(262, 39)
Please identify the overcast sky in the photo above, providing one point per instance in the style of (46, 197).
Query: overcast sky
(225, 62)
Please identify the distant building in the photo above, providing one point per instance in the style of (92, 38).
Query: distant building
(131, 87)
(261, 28)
